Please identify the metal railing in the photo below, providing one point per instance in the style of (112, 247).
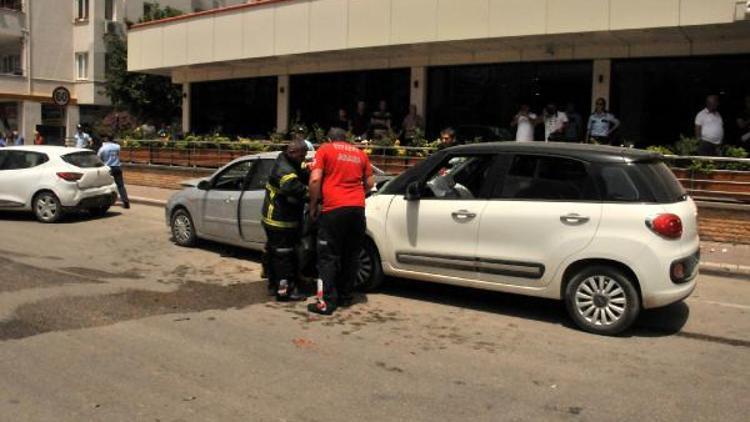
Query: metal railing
(208, 154)
(722, 179)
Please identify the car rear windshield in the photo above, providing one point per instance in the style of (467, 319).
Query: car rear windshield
(84, 159)
(650, 181)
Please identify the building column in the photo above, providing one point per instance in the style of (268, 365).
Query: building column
(601, 81)
(186, 102)
(282, 104)
(418, 89)
(72, 118)
(31, 116)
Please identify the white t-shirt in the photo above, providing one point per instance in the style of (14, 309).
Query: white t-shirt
(553, 123)
(712, 126)
(525, 131)
(601, 123)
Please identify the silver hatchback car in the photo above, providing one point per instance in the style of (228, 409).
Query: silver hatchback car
(226, 207)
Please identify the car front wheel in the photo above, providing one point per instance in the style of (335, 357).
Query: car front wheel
(602, 300)
(370, 274)
(47, 207)
(183, 230)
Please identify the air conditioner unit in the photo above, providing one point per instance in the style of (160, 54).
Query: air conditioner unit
(113, 27)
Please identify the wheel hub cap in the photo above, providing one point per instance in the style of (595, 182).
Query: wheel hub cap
(600, 300)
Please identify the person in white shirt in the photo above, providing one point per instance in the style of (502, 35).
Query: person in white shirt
(524, 122)
(601, 124)
(83, 140)
(555, 122)
(709, 127)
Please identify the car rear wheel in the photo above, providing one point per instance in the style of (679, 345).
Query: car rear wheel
(602, 300)
(47, 207)
(370, 274)
(183, 229)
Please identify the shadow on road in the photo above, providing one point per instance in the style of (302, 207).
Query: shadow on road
(651, 323)
(72, 217)
(70, 313)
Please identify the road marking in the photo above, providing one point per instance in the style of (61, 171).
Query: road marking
(724, 304)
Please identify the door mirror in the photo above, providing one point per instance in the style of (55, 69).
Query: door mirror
(413, 191)
(204, 185)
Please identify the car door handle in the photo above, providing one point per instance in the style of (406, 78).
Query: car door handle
(574, 219)
(463, 215)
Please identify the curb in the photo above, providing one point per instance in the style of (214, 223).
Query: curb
(716, 268)
(147, 201)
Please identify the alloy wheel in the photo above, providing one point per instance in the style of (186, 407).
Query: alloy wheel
(181, 228)
(601, 300)
(365, 269)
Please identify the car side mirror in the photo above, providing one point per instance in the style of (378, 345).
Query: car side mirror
(204, 185)
(413, 191)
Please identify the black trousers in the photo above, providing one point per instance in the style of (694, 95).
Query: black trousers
(116, 173)
(340, 237)
(707, 149)
(280, 255)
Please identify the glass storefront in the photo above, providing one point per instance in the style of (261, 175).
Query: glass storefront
(491, 94)
(238, 107)
(657, 99)
(316, 98)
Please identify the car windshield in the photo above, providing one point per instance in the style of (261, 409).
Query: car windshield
(83, 159)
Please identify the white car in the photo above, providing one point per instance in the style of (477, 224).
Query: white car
(50, 180)
(608, 230)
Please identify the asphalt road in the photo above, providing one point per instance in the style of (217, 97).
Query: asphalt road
(106, 320)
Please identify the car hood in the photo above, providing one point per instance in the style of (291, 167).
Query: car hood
(191, 183)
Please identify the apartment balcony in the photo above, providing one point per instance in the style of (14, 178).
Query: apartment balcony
(12, 19)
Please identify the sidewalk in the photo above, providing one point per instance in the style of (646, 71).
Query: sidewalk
(716, 258)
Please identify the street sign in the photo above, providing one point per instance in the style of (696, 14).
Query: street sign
(61, 96)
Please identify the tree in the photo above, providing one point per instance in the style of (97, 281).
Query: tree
(152, 12)
(147, 97)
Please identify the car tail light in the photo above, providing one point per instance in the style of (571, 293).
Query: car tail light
(666, 225)
(70, 177)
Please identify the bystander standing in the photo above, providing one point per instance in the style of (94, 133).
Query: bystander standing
(573, 130)
(110, 154)
(743, 122)
(361, 121)
(412, 122)
(709, 127)
(555, 122)
(524, 122)
(601, 124)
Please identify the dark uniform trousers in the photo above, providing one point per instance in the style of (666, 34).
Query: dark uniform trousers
(341, 235)
(280, 256)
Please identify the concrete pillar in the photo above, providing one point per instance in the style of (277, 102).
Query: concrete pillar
(282, 104)
(31, 116)
(601, 81)
(72, 118)
(418, 89)
(186, 102)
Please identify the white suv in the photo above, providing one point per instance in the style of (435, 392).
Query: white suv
(608, 230)
(50, 180)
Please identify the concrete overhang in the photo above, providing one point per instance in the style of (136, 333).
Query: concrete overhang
(300, 36)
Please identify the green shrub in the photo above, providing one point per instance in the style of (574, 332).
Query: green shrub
(660, 149)
(686, 146)
(735, 152)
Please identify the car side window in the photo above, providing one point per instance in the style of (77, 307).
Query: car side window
(18, 160)
(618, 186)
(3, 156)
(261, 173)
(532, 177)
(233, 178)
(460, 177)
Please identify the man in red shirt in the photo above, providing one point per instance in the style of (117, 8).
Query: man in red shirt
(342, 173)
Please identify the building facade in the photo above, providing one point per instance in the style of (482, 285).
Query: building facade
(45, 44)
(272, 62)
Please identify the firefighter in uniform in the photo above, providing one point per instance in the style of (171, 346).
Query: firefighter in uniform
(283, 211)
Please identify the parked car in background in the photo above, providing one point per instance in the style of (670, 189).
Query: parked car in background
(52, 180)
(608, 230)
